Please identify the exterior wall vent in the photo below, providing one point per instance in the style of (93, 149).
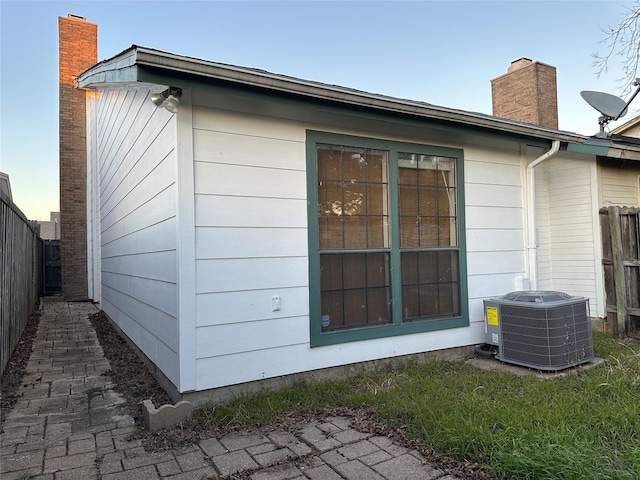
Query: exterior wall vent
(545, 330)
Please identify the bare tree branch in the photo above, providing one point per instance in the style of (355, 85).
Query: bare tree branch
(622, 41)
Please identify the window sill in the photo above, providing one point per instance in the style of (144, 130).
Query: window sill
(384, 331)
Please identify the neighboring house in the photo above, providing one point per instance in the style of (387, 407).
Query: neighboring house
(273, 226)
(619, 178)
(631, 128)
(5, 187)
(50, 229)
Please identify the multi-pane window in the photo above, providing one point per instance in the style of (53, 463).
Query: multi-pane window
(353, 219)
(428, 236)
(387, 239)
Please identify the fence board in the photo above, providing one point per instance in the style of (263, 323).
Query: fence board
(20, 257)
(620, 227)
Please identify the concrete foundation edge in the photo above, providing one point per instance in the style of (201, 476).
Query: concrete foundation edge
(227, 393)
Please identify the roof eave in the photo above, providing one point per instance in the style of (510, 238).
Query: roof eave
(122, 69)
(626, 126)
(608, 147)
(624, 151)
(115, 70)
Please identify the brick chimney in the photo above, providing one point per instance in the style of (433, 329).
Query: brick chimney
(78, 44)
(528, 93)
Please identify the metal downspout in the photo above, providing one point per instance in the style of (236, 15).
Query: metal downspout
(532, 243)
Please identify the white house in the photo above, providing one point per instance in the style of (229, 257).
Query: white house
(274, 226)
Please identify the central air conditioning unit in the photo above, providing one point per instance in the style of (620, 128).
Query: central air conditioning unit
(544, 330)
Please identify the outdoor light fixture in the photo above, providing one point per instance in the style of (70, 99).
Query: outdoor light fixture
(169, 99)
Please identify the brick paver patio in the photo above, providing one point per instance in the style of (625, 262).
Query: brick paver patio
(67, 425)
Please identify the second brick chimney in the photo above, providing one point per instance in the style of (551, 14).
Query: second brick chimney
(78, 43)
(527, 93)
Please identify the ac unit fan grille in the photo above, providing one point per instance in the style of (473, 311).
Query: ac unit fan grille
(549, 338)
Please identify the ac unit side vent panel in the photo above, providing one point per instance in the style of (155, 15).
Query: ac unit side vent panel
(543, 330)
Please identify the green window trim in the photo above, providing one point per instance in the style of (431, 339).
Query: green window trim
(396, 326)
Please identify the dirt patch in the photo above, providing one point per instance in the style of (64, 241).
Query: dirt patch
(128, 373)
(13, 373)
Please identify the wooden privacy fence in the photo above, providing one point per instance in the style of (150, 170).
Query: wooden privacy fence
(620, 228)
(21, 258)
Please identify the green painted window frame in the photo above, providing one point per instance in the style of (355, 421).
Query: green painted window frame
(397, 327)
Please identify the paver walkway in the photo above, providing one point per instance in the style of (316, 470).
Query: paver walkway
(67, 426)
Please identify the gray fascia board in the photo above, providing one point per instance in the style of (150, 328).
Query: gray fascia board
(593, 146)
(119, 69)
(282, 83)
(607, 148)
(105, 78)
(142, 56)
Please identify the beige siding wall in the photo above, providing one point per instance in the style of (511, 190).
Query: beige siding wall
(569, 248)
(631, 132)
(619, 183)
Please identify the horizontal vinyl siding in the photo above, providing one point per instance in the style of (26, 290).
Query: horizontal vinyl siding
(246, 306)
(136, 165)
(257, 211)
(233, 274)
(251, 242)
(236, 242)
(571, 245)
(247, 181)
(619, 186)
(272, 361)
(545, 280)
(495, 226)
(251, 239)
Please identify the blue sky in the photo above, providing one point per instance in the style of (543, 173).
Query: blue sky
(444, 53)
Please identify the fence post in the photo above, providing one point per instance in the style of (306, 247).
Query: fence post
(618, 272)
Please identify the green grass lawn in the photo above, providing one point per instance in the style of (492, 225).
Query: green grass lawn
(585, 426)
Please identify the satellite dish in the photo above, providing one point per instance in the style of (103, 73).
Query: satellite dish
(610, 106)
(607, 104)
